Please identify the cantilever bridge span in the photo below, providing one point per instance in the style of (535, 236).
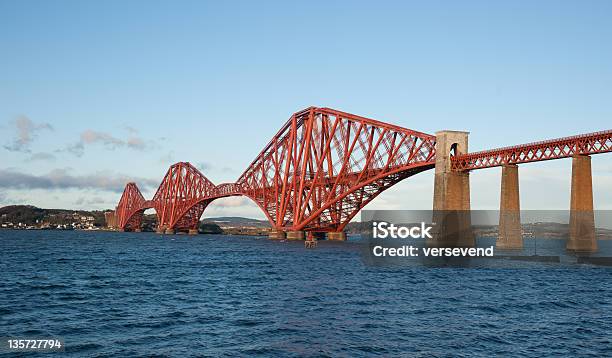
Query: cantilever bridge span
(315, 174)
(323, 166)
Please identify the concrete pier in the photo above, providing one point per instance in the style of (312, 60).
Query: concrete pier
(451, 194)
(193, 232)
(276, 234)
(336, 236)
(510, 233)
(582, 218)
(296, 235)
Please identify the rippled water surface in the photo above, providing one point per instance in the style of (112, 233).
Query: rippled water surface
(123, 294)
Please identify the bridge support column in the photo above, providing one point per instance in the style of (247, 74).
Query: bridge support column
(193, 231)
(276, 234)
(582, 218)
(510, 234)
(296, 235)
(315, 235)
(451, 204)
(336, 236)
(312, 238)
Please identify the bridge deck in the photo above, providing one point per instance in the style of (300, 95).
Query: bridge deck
(584, 144)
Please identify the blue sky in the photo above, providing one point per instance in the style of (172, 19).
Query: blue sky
(96, 93)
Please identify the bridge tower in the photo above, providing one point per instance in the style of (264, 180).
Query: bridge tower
(451, 202)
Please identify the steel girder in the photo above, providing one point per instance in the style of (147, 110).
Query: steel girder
(130, 208)
(316, 173)
(181, 198)
(324, 165)
(585, 144)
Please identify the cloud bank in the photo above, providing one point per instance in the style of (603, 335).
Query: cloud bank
(62, 179)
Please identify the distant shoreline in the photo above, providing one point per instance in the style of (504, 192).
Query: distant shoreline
(237, 231)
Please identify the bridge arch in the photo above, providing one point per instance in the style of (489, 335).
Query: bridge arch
(130, 208)
(370, 189)
(378, 185)
(197, 208)
(177, 200)
(324, 165)
(316, 173)
(454, 149)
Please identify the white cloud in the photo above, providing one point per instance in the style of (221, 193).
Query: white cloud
(110, 142)
(26, 132)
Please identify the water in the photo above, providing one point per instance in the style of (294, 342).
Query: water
(123, 294)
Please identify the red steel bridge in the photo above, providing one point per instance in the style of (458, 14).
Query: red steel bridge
(322, 167)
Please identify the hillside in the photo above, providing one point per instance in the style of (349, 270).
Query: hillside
(28, 215)
(236, 221)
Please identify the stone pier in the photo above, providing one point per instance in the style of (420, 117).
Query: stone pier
(312, 238)
(582, 218)
(315, 235)
(451, 204)
(336, 236)
(296, 235)
(276, 234)
(510, 233)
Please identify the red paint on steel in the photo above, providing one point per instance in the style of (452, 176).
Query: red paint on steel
(316, 173)
(584, 144)
(322, 168)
